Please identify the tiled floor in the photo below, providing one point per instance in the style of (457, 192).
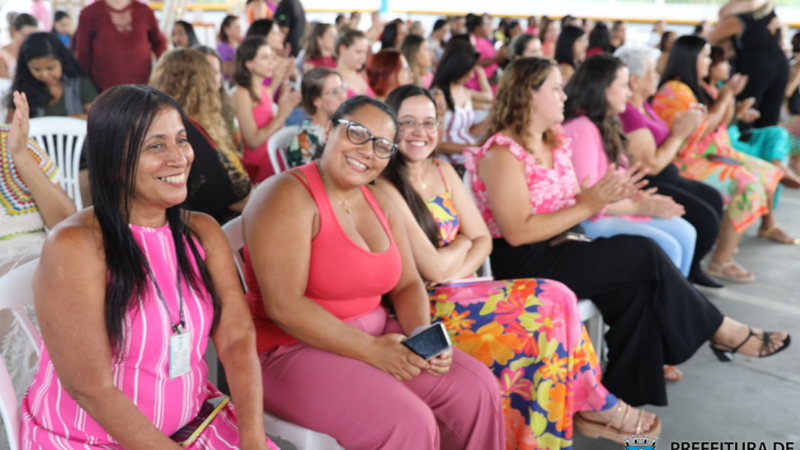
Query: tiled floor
(749, 399)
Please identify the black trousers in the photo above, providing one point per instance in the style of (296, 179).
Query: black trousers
(655, 316)
(768, 70)
(703, 205)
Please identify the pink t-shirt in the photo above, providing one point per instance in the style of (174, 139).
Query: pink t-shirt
(589, 158)
(633, 119)
(486, 49)
(549, 189)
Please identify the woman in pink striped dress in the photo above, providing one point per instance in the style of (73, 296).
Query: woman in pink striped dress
(128, 293)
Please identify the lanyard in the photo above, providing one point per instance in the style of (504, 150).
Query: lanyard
(178, 327)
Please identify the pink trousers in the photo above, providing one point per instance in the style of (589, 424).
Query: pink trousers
(365, 408)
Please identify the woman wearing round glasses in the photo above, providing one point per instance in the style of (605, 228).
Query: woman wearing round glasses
(322, 247)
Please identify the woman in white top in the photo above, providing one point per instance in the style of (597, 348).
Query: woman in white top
(459, 129)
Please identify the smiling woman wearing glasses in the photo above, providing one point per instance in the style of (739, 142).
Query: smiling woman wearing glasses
(322, 247)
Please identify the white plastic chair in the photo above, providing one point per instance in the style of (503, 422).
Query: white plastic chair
(62, 138)
(278, 142)
(5, 88)
(588, 310)
(302, 438)
(16, 291)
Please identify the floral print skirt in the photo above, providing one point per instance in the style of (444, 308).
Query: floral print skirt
(529, 333)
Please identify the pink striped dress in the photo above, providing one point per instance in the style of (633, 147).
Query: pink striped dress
(51, 419)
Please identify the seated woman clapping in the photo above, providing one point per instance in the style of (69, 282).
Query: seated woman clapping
(323, 246)
(597, 93)
(128, 293)
(450, 240)
(528, 194)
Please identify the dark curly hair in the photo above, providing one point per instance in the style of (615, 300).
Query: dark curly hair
(35, 46)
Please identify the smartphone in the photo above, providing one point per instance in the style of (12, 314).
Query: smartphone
(430, 342)
(569, 236)
(211, 407)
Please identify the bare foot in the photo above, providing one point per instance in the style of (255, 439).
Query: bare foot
(733, 333)
(631, 419)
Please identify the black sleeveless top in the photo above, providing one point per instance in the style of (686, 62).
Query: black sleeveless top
(756, 35)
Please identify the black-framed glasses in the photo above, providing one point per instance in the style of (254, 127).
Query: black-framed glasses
(359, 134)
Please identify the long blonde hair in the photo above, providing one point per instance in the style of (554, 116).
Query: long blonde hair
(186, 75)
(512, 109)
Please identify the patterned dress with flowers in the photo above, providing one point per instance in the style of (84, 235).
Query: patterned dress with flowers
(743, 180)
(529, 333)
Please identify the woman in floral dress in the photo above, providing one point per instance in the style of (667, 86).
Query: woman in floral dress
(528, 331)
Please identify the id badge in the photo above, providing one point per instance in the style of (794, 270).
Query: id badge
(180, 353)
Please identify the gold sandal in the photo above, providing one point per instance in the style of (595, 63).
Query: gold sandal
(596, 430)
(767, 234)
(716, 269)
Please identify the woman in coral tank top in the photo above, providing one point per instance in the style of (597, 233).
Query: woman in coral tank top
(323, 247)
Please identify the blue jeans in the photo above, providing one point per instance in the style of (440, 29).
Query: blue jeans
(675, 236)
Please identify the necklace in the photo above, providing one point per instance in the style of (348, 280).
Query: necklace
(424, 181)
(343, 204)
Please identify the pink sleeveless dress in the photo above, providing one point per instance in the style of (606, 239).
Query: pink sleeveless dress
(52, 419)
(256, 160)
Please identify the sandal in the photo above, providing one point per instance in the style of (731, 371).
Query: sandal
(672, 373)
(769, 235)
(596, 430)
(725, 353)
(718, 270)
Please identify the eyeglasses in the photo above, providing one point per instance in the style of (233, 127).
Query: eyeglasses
(359, 134)
(412, 125)
(340, 90)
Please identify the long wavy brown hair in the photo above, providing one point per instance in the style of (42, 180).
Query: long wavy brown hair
(512, 109)
(186, 75)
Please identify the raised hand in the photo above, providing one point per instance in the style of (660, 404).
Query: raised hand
(20, 126)
(603, 192)
(685, 123)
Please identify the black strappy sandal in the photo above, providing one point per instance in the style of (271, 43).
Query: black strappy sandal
(725, 353)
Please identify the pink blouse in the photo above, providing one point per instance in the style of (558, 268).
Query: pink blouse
(549, 189)
(589, 158)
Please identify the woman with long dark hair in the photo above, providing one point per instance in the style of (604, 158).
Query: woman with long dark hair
(228, 39)
(459, 65)
(323, 246)
(393, 34)
(530, 198)
(320, 44)
(62, 27)
(450, 240)
(135, 287)
(747, 184)
(570, 50)
(183, 35)
(599, 40)
(596, 96)
(52, 79)
(253, 105)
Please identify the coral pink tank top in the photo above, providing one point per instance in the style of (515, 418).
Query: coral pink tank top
(256, 160)
(344, 278)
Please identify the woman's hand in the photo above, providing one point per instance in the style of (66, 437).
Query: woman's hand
(288, 100)
(745, 111)
(441, 364)
(386, 353)
(632, 181)
(603, 192)
(656, 205)
(20, 126)
(735, 85)
(684, 124)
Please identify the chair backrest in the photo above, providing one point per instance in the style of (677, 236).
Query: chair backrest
(278, 142)
(486, 269)
(233, 231)
(5, 88)
(16, 291)
(62, 138)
